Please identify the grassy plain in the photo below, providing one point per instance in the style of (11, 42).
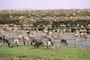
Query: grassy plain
(42, 53)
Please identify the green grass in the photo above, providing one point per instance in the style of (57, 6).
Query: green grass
(56, 53)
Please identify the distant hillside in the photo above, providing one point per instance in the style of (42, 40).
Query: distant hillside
(52, 15)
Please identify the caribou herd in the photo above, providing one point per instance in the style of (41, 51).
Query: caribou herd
(31, 38)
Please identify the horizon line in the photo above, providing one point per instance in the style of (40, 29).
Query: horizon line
(49, 9)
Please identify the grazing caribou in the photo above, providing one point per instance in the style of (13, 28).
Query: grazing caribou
(26, 40)
(5, 41)
(49, 43)
(15, 42)
(63, 42)
(36, 43)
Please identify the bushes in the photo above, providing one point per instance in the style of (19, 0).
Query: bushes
(9, 22)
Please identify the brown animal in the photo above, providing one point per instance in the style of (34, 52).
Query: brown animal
(26, 40)
(15, 42)
(49, 43)
(36, 43)
(5, 41)
(64, 42)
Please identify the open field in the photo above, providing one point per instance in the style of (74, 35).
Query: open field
(42, 53)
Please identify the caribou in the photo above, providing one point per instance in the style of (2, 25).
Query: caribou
(36, 43)
(64, 42)
(5, 41)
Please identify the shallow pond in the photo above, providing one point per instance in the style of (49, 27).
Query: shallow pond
(68, 36)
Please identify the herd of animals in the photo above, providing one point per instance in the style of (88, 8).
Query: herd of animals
(27, 41)
(32, 40)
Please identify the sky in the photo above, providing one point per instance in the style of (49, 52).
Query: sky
(44, 4)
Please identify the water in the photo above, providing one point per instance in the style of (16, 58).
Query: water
(68, 36)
